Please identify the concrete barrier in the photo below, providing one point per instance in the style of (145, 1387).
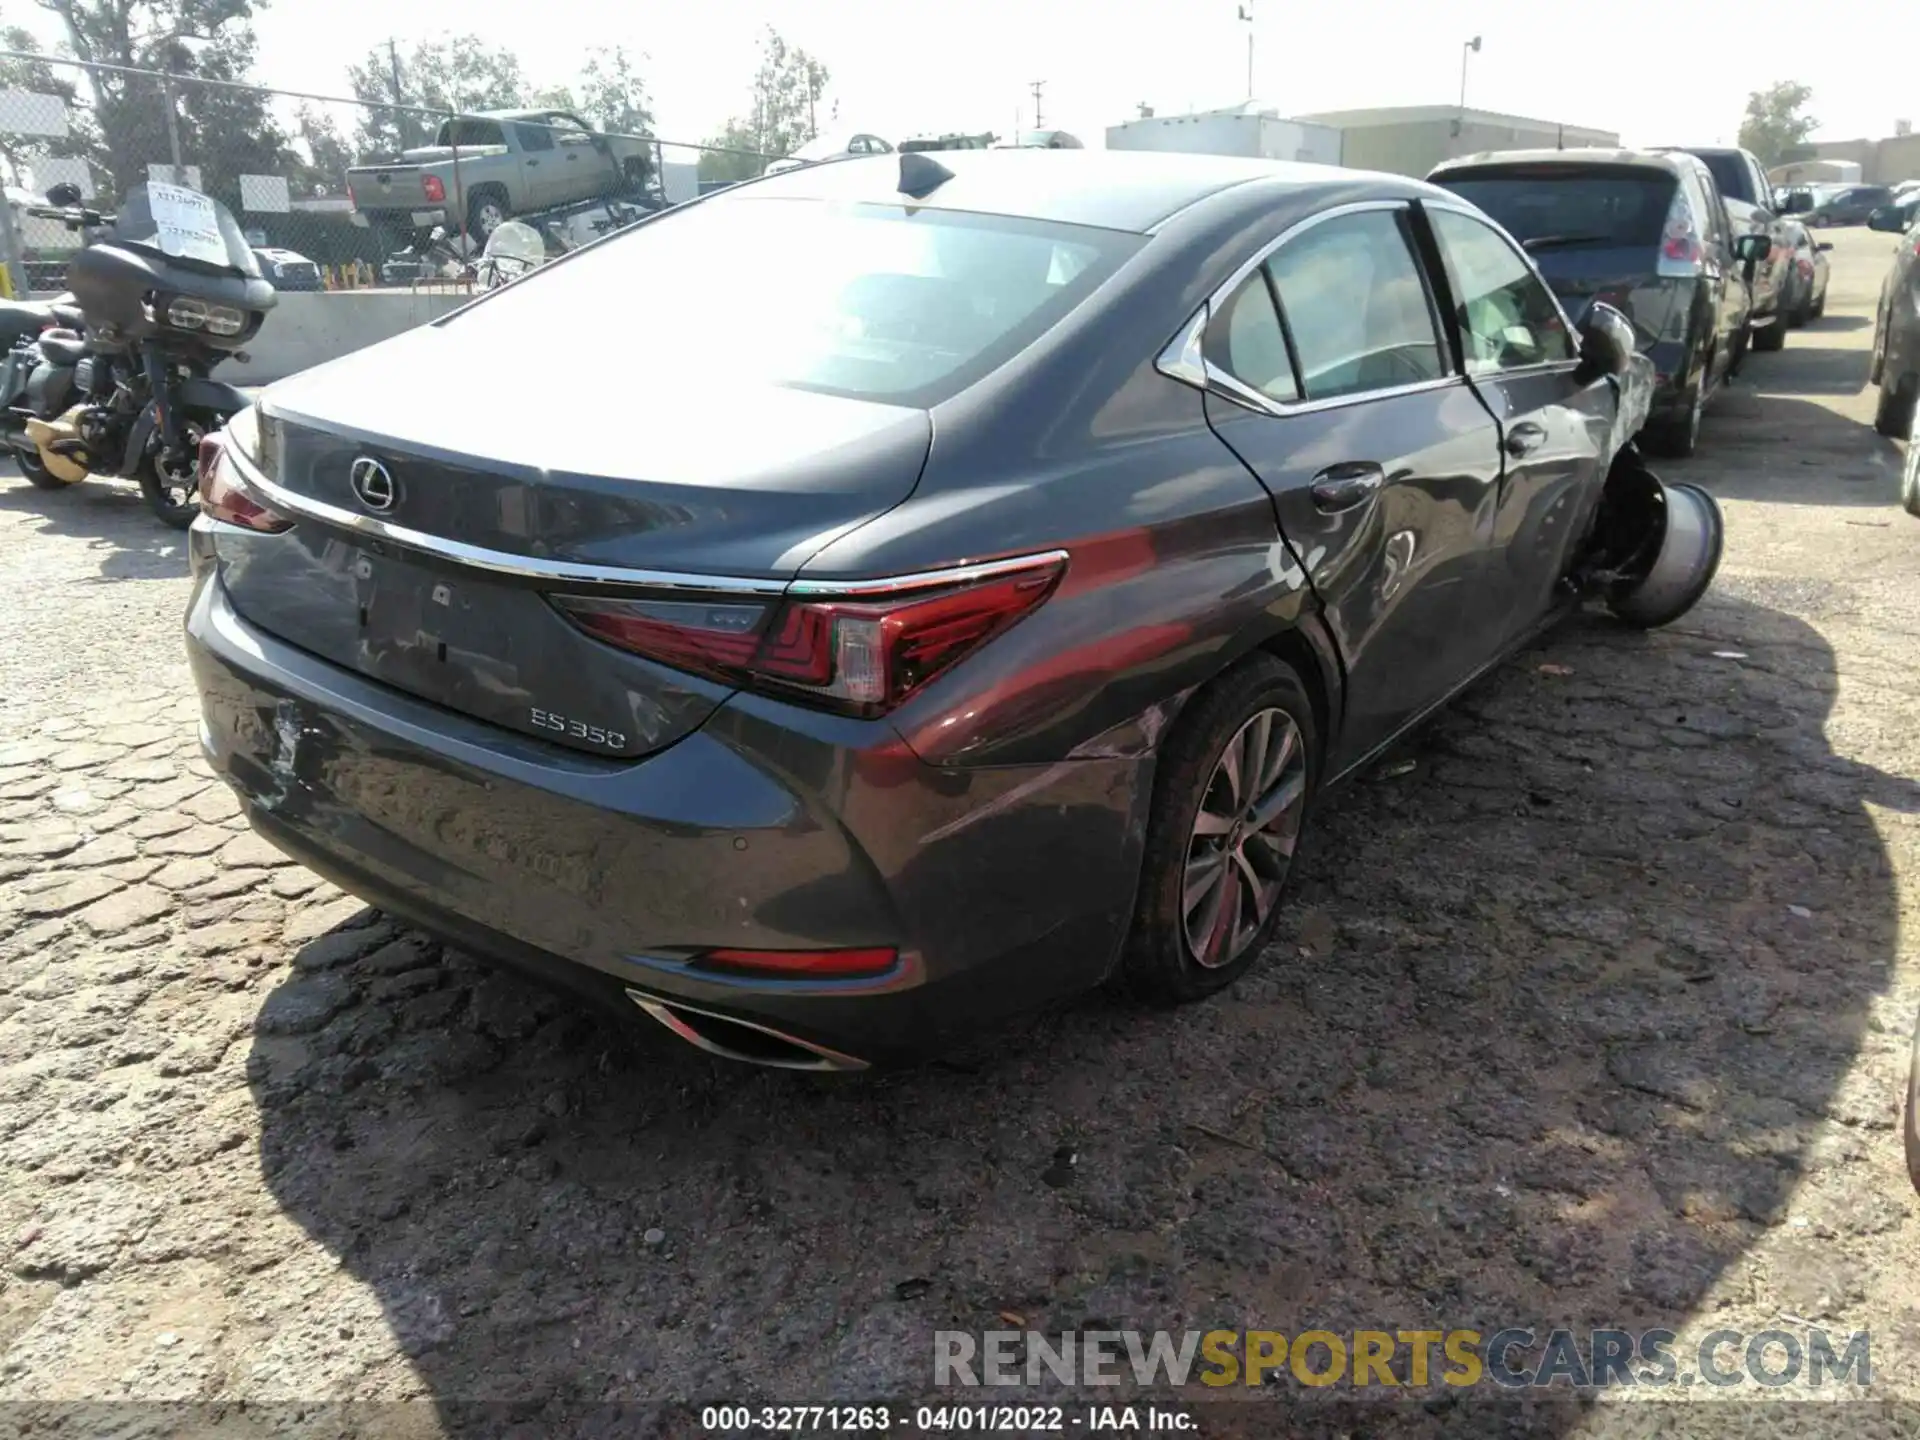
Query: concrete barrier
(308, 328)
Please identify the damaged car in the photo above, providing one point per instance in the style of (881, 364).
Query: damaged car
(972, 608)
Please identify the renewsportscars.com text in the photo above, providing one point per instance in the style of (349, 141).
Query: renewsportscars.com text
(1380, 1359)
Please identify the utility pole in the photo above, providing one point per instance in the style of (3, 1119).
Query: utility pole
(393, 71)
(1037, 86)
(1246, 14)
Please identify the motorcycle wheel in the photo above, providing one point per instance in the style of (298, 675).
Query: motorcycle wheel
(173, 491)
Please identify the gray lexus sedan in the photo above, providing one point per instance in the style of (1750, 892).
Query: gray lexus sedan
(950, 581)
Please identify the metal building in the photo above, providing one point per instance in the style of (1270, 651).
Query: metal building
(1412, 139)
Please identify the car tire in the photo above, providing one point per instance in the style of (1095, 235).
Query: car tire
(1678, 439)
(1893, 417)
(1910, 478)
(1910, 1128)
(485, 214)
(1773, 337)
(1692, 540)
(1220, 845)
(1819, 307)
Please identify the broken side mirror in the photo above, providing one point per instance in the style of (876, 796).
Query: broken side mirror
(1606, 343)
(1752, 249)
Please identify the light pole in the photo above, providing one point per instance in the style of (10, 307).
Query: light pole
(1246, 14)
(1470, 47)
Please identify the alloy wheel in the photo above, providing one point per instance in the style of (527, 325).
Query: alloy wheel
(1243, 838)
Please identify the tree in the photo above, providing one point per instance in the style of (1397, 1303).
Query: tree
(612, 94)
(328, 156)
(224, 131)
(455, 73)
(788, 89)
(1775, 127)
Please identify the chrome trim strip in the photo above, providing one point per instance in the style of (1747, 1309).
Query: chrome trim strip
(499, 562)
(927, 579)
(566, 572)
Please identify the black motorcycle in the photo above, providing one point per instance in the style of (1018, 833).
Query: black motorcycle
(165, 289)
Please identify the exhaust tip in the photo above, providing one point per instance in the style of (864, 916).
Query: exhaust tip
(747, 1041)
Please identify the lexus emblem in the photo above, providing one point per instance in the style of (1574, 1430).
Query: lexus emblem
(372, 483)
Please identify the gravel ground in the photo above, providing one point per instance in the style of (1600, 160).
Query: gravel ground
(1597, 1015)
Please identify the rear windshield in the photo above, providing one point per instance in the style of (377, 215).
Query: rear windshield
(880, 302)
(1567, 208)
(1729, 173)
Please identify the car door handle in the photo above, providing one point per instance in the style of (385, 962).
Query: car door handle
(532, 163)
(1343, 486)
(1525, 438)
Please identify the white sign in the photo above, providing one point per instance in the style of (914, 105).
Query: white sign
(186, 224)
(265, 194)
(51, 170)
(187, 175)
(27, 112)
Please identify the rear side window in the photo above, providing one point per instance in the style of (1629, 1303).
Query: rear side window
(1245, 340)
(1356, 306)
(1508, 318)
(1563, 208)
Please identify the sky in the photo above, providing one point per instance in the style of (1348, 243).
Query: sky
(1656, 71)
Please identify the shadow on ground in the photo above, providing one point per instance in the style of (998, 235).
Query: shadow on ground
(130, 541)
(1552, 1030)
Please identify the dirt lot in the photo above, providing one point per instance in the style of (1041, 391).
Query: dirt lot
(1596, 1016)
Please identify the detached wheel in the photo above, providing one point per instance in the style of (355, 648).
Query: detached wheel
(1910, 1129)
(1692, 537)
(1230, 797)
(1894, 416)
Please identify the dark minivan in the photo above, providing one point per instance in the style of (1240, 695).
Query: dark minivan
(1851, 205)
(1647, 234)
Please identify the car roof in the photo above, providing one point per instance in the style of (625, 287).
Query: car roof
(1594, 155)
(1110, 189)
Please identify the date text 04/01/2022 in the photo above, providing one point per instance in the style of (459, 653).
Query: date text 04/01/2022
(982, 1419)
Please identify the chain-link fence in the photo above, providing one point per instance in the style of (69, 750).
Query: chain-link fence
(332, 193)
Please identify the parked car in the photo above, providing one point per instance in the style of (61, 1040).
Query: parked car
(1042, 140)
(1848, 205)
(922, 143)
(1805, 297)
(511, 162)
(1744, 190)
(1799, 199)
(822, 743)
(1895, 366)
(1647, 233)
(835, 145)
(288, 269)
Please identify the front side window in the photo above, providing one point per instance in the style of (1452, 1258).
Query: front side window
(1508, 318)
(894, 303)
(1356, 307)
(533, 136)
(1245, 340)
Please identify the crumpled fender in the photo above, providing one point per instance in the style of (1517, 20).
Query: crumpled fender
(1635, 389)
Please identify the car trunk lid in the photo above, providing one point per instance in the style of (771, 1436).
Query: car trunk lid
(688, 491)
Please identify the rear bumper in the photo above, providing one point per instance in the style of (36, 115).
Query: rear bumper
(1001, 888)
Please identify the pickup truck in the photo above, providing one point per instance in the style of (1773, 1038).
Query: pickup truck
(511, 162)
(1744, 187)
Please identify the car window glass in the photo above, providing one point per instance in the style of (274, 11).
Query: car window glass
(1356, 306)
(532, 136)
(1708, 215)
(1245, 340)
(569, 131)
(1508, 318)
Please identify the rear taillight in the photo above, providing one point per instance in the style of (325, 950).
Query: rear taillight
(860, 651)
(1680, 249)
(433, 188)
(801, 964)
(223, 497)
